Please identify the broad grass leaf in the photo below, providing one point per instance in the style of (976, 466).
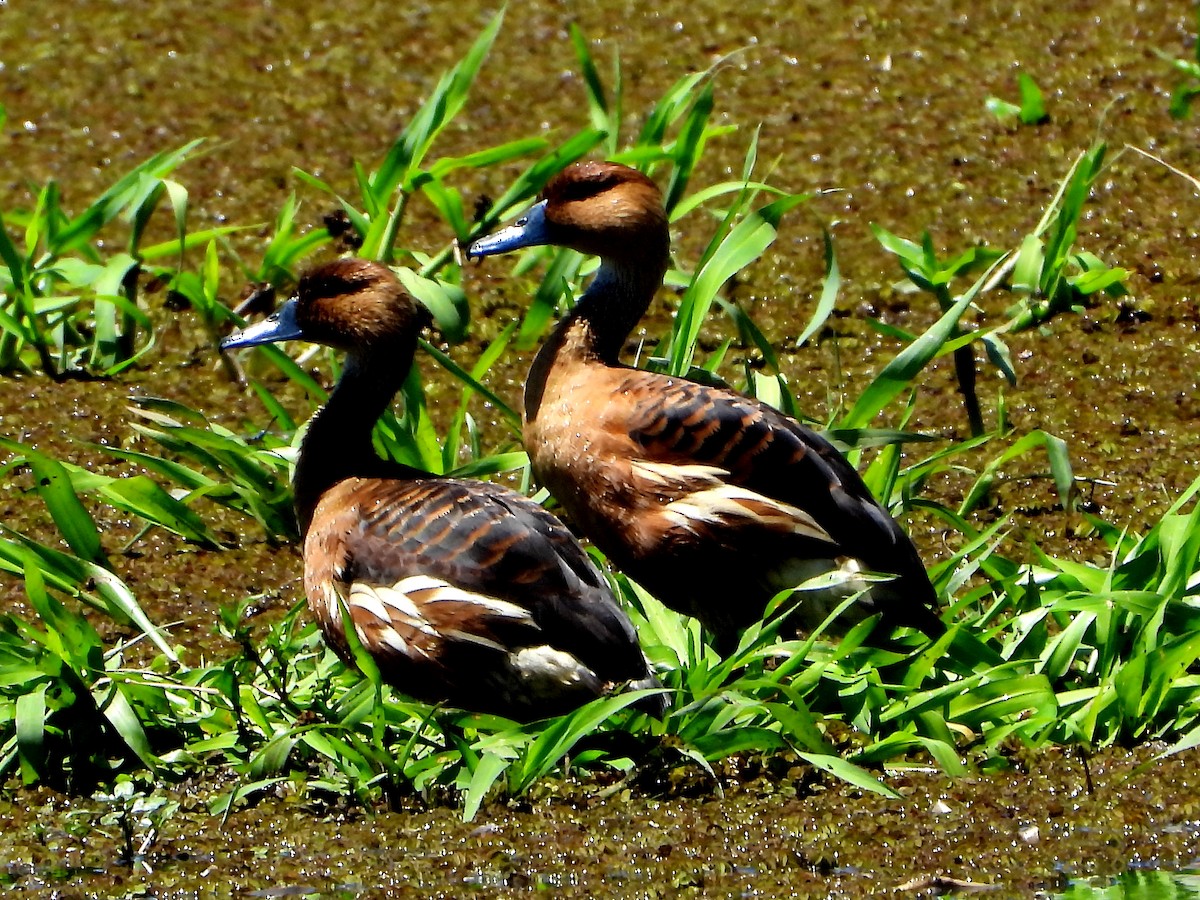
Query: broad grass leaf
(998, 355)
(704, 195)
(143, 497)
(1093, 281)
(1027, 270)
(400, 168)
(831, 284)
(557, 740)
(1001, 109)
(799, 726)
(112, 702)
(564, 269)
(1033, 105)
(492, 156)
(663, 627)
(743, 244)
(996, 700)
(194, 239)
(901, 371)
(89, 582)
(1065, 646)
(272, 758)
(449, 204)
(326, 745)
(492, 464)
(12, 260)
(1189, 741)
(53, 484)
(743, 739)
(946, 755)
(850, 773)
(447, 302)
(689, 146)
(30, 729)
(489, 768)
(678, 98)
(359, 653)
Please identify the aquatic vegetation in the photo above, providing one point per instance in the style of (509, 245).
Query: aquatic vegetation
(1054, 651)
(1032, 108)
(1188, 87)
(1048, 276)
(70, 308)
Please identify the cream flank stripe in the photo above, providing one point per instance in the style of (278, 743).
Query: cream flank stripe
(395, 604)
(542, 662)
(718, 500)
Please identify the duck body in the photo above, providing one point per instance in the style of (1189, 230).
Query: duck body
(462, 592)
(713, 501)
(468, 594)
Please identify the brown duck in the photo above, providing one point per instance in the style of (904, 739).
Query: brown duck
(713, 501)
(462, 592)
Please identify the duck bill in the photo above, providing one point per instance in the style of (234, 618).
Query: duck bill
(528, 231)
(281, 325)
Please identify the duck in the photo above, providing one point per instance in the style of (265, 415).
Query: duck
(712, 501)
(464, 593)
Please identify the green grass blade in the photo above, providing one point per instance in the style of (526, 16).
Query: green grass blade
(53, 484)
(850, 773)
(598, 109)
(507, 412)
(743, 244)
(86, 581)
(446, 302)
(31, 715)
(113, 201)
(830, 286)
(563, 733)
(115, 706)
(898, 375)
(489, 768)
(689, 146)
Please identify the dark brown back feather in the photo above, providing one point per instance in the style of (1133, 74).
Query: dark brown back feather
(682, 422)
(486, 539)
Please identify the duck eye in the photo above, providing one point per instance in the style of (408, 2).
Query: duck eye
(523, 221)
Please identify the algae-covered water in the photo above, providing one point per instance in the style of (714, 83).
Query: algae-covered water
(884, 101)
(1032, 832)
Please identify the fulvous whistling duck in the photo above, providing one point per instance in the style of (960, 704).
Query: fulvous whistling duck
(461, 591)
(713, 501)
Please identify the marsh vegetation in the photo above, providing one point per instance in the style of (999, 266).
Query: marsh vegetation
(992, 312)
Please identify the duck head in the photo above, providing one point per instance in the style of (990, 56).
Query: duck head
(349, 304)
(602, 209)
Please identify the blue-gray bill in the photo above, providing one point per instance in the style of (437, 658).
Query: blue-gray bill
(528, 231)
(281, 325)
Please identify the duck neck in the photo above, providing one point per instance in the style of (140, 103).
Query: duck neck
(338, 444)
(596, 329)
